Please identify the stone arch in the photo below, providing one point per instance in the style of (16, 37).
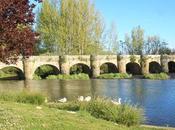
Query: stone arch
(133, 68)
(108, 67)
(45, 70)
(80, 68)
(12, 73)
(155, 67)
(171, 67)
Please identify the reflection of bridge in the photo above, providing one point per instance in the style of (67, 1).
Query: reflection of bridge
(134, 64)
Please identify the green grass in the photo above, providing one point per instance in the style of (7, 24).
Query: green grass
(161, 76)
(115, 76)
(80, 76)
(17, 116)
(104, 109)
(22, 97)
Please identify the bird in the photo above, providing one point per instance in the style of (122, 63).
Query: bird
(88, 98)
(81, 98)
(63, 100)
(38, 107)
(117, 102)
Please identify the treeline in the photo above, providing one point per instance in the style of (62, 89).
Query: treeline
(76, 27)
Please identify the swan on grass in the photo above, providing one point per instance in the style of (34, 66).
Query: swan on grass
(63, 100)
(88, 98)
(80, 98)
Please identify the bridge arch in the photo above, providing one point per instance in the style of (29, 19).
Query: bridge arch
(171, 67)
(155, 67)
(108, 67)
(12, 72)
(133, 68)
(45, 70)
(80, 68)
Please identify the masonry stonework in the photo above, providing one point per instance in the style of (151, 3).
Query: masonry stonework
(94, 62)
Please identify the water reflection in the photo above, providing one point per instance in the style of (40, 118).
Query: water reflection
(156, 97)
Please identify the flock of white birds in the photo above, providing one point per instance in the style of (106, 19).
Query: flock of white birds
(87, 99)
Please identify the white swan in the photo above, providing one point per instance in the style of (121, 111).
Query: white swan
(81, 98)
(88, 98)
(63, 100)
(116, 102)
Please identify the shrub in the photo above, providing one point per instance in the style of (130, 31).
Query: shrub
(114, 76)
(52, 77)
(36, 77)
(161, 76)
(80, 76)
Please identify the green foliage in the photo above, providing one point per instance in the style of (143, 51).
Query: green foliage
(44, 71)
(105, 109)
(22, 97)
(70, 27)
(80, 76)
(11, 73)
(114, 76)
(135, 43)
(161, 76)
(36, 77)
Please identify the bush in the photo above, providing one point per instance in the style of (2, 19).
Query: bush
(115, 76)
(121, 114)
(23, 97)
(161, 76)
(36, 77)
(52, 77)
(104, 109)
(80, 76)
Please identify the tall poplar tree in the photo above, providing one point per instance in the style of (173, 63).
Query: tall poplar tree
(74, 26)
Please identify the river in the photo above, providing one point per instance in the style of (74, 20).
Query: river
(156, 97)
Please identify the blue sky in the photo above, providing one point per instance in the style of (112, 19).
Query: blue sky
(157, 17)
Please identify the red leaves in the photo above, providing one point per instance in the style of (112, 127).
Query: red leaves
(16, 35)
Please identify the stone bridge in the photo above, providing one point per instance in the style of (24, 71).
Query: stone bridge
(133, 64)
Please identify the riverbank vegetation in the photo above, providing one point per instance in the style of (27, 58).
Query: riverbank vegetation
(115, 76)
(96, 114)
(22, 97)
(80, 76)
(104, 109)
(161, 76)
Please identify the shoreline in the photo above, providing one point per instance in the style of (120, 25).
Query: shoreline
(158, 127)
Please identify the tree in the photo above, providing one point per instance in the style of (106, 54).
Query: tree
(74, 26)
(16, 34)
(154, 46)
(111, 40)
(135, 43)
(48, 27)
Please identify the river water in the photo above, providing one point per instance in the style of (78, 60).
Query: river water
(156, 97)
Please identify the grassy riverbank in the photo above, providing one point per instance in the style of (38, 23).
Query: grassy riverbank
(161, 76)
(80, 76)
(16, 114)
(114, 76)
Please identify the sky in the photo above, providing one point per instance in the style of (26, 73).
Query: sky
(156, 17)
